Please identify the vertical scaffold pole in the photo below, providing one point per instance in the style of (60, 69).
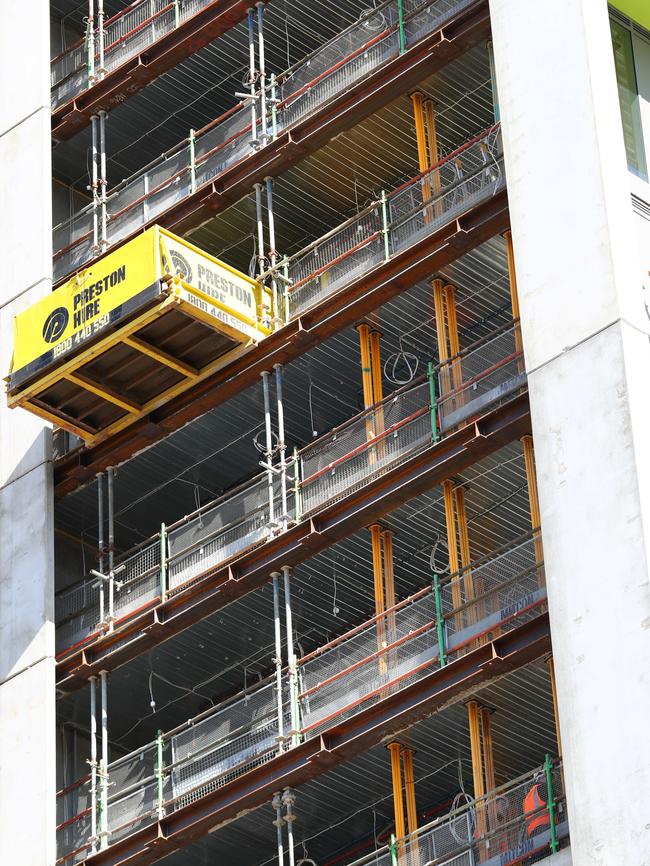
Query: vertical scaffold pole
(393, 850)
(111, 548)
(398, 800)
(279, 824)
(273, 254)
(95, 180)
(160, 778)
(103, 679)
(291, 659)
(100, 543)
(551, 803)
(282, 445)
(274, 107)
(177, 14)
(252, 74)
(100, 36)
(268, 447)
(262, 72)
(296, 485)
(261, 258)
(192, 159)
(477, 767)
(163, 562)
(103, 182)
(93, 763)
(275, 575)
(384, 224)
(289, 799)
(90, 43)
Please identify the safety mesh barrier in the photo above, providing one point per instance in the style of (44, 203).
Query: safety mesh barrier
(482, 377)
(352, 456)
(493, 598)
(125, 35)
(73, 821)
(237, 523)
(78, 609)
(402, 645)
(373, 660)
(415, 210)
(331, 70)
(492, 831)
(224, 745)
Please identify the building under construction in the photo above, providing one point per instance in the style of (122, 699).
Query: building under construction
(324, 494)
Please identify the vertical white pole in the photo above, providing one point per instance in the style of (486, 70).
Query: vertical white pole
(273, 254)
(261, 258)
(93, 763)
(100, 36)
(291, 657)
(111, 549)
(289, 798)
(90, 47)
(260, 38)
(93, 129)
(282, 445)
(278, 656)
(102, 175)
(279, 822)
(100, 543)
(269, 447)
(252, 74)
(103, 677)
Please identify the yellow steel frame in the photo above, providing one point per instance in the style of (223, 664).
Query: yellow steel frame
(29, 397)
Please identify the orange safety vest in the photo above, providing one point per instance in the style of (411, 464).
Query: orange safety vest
(537, 820)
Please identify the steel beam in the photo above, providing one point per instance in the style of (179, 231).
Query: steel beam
(131, 77)
(222, 585)
(365, 294)
(469, 27)
(350, 737)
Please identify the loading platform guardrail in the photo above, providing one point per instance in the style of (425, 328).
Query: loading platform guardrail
(377, 38)
(378, 658)
(346, 459)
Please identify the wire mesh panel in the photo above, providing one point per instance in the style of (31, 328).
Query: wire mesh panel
(482, 377)
(133, 792)
(347, 58)
(227, 743)
(464, 179)
(385, 656)
(493, 598)
(73, 822)
(492, 831)
(78, 609)
(125, 35)
(234, 524)
(353, 455)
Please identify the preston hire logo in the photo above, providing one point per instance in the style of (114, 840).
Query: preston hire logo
(55, 325)
(181, 265)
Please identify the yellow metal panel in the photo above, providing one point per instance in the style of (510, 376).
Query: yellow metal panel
(86, 304)
(231, 290)
(637, 10)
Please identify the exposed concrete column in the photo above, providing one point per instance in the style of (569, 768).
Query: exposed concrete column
(587, 351)
(27, 701)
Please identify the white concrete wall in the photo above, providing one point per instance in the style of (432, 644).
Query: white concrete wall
(587, 347)
(27, 705)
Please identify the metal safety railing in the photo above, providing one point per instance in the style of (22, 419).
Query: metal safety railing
(336, 465)
(498, 829)
(396, 221)
(377, 37)
(128, 33)
(383, 655)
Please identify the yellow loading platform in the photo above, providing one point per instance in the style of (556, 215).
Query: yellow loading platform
(138, 327)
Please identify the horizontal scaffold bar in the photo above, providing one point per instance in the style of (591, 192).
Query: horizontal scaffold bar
(135, 69)
(223, 584)
(336, 311)
(346, 739)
